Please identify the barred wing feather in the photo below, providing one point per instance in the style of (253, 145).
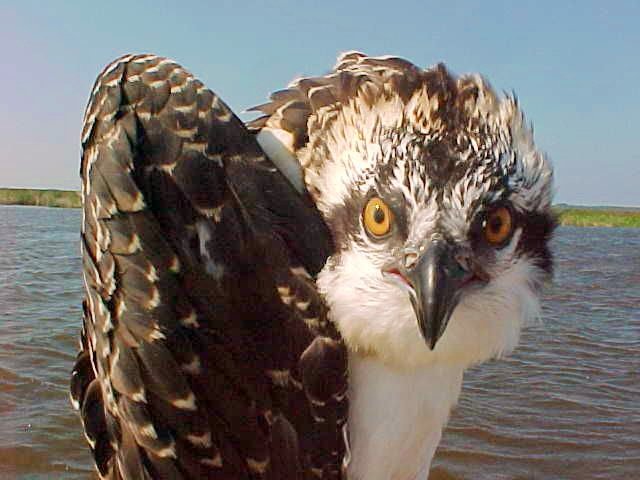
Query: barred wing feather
(205, 350)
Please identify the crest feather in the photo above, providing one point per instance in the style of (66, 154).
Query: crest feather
(338, 119)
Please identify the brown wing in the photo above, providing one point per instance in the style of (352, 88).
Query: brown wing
(205, 351)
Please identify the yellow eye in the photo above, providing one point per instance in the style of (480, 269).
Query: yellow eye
(377, 217)
(498, 226)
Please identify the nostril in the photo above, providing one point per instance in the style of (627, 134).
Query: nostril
(410, 259)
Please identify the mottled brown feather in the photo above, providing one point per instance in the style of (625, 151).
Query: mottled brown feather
(188, 233)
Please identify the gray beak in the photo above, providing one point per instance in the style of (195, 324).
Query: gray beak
(436, 277)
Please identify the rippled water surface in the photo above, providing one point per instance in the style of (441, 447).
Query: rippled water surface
(565, 405)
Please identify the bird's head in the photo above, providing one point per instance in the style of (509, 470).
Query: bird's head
(439, 204)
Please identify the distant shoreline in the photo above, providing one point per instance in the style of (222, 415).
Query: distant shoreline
(598, 217)
(40, 198)
(567, 214)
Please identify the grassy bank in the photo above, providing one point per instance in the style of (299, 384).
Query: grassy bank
(586, 217)
(43, 198)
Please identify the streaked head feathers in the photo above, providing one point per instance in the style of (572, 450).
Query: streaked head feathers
(440, 150)
(371, 111)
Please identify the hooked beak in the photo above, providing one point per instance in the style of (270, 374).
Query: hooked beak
(435, 279)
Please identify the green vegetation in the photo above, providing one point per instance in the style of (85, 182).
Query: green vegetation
(568, 215)
(44, 198)
(596, 217)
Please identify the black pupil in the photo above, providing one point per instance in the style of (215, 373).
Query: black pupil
(378, 214)
(495, 223)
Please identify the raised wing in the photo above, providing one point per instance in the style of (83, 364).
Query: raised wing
(205, 351)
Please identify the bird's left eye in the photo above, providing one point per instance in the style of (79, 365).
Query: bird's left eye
(497, 226)
(377, 217)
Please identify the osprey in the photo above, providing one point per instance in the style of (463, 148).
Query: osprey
(298, 297)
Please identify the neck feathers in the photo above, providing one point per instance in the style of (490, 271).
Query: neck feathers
(396, 417)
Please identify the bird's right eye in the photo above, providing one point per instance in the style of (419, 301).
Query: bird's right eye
(377, 217)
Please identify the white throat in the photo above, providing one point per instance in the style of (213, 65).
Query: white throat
(396, 417)
(400, 392)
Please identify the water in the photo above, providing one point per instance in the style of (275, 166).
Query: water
(40, 291)
(565, 406)
(567, 403)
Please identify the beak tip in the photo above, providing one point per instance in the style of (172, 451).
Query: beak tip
(432, 341)
(430, 338)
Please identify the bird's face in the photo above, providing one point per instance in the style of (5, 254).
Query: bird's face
(441, 231)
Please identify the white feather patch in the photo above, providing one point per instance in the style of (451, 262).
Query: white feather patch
(278, 145)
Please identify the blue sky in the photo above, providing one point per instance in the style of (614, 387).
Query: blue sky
(574, 67)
